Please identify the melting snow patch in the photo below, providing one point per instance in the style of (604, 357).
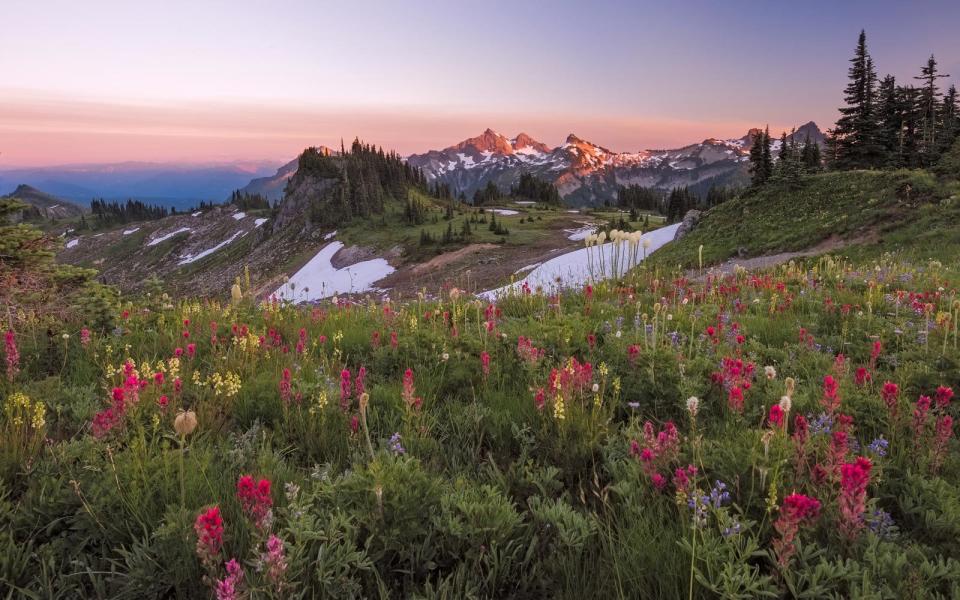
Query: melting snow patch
(129, 231)
(588, 264)
(166, 237)
(320, 279)
(195, 257)
(525, 202)
(574, 212)
(72, 243)
(330, 235)
(260, 222)
(504, 211)
(578, 235)
(196, 214)
(239, 215)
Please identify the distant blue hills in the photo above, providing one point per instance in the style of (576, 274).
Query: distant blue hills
(178, 186)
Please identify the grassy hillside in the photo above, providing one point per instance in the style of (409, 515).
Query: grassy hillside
(868, 212)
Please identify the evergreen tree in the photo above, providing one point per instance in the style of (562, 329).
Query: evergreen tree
(853, 140)
(767, 159)
(950, 118)
(756, 159)
(930, 111)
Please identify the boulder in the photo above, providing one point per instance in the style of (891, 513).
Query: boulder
(690, 221)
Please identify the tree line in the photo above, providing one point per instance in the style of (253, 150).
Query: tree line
(247, 201)
(106, 214)
(673, 204)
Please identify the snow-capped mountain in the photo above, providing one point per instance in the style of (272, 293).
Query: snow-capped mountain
(586, 173)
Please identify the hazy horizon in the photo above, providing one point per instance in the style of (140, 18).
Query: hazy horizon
(226, 82)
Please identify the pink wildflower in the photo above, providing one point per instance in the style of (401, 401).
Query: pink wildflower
(890, 394)
(831, 394)
(345, 389)
(84, 337)
(943, 396)
(409, 391)
(274, 562)
(228, 588)
(920, 418)
(795, 511)
(776, 416)
(12, 353)
(942, 434)
(359, 384)
(285, 386)
(854, 479)
(485, 363)
(862, 377)
(256, 501)
(209, 529)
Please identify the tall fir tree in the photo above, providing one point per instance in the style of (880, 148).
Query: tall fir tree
(853, 140)
(767, 159)
(757, 173)
(930, 111)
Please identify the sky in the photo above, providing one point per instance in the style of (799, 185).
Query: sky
(216, 81)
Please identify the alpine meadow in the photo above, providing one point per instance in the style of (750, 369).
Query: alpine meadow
(265, 335)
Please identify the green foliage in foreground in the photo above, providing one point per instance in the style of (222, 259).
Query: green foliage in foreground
(485, 458)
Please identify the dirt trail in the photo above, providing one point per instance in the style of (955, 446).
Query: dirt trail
(831, 244)
(447, 258)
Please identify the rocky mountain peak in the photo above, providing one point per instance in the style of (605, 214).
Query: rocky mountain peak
(525, 141)
(488, 141)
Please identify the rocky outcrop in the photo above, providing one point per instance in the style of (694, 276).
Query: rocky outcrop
(690, 221)
(295, 206)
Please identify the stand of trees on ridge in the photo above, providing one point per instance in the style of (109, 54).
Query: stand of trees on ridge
(884, 124)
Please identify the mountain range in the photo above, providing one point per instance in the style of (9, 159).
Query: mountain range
(589, 174)
(583, 172)
(180, 186)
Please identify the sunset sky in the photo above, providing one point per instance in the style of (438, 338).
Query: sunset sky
(190, 81)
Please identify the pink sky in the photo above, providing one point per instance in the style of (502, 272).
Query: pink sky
(43, 129)
(181, 80)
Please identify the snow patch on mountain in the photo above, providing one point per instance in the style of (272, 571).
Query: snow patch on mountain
(166, 237)
(320, 279)
(588, 264)
(191, 258)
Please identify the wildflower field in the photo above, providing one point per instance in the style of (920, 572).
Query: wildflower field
(787, 433)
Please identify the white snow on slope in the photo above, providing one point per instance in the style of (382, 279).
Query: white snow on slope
(260, 222)
(504, 211)
(584, 265)
(320, 279)
(239, 215)
(130, 231)
(197, 214)
(525, 202)
(72, 243)
(329, 236)
(164, 238)
(578, 235)
(186, 260)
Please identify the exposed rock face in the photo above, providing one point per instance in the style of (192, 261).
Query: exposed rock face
(272, 187)
(296, 203)
(690, 221)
